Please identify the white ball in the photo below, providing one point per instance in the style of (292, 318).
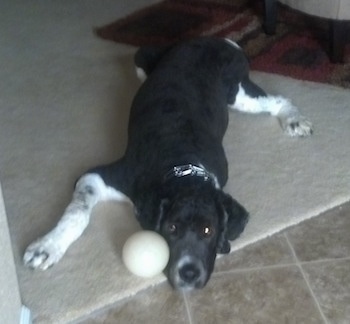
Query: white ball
(145, 254)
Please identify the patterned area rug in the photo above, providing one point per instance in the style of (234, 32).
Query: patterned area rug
(298, 50)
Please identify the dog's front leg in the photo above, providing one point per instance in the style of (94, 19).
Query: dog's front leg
(49, 249)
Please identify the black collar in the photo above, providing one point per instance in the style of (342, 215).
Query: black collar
(190, 170)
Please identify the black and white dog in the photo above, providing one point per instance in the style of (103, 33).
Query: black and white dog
(175, 167)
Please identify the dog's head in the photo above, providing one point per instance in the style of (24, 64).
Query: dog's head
(197, 225)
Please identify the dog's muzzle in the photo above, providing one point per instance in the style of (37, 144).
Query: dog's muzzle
(188, 273)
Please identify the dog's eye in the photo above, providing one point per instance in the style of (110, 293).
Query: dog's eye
(207, 231)
(172, 229)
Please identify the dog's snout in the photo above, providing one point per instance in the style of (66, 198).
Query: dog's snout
(189, 273)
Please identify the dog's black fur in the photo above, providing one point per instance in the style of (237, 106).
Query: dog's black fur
(178, 117)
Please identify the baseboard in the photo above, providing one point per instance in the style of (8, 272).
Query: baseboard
(26, 316)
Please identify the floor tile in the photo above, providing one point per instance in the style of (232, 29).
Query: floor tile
(271, 296)
(330, 282)
(160, 304)
(323, 237)
(270, 251)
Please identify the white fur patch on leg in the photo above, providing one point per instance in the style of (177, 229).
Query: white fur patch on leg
(49, 249)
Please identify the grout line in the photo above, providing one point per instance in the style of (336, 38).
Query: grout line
(306, 280)
(188, 310)
(242, 270)
(291, 248)
(281, 265)
(324, 260)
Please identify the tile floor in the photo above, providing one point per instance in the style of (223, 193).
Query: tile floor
(301, 275)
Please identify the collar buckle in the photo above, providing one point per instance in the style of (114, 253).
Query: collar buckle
(188, 170)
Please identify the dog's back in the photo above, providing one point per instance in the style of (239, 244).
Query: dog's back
(182, 106)
(193, 78)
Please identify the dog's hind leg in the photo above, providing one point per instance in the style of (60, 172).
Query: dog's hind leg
(146, 59)
(252, 99)
(49, 249)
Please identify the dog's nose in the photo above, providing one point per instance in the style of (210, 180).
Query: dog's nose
(189, 273)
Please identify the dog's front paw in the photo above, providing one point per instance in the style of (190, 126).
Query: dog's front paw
(42, 254)
(297, 126)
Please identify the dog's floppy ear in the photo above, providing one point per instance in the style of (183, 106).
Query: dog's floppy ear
(152, 214)
(233, 221)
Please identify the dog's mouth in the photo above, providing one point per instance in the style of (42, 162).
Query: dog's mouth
(187, 273)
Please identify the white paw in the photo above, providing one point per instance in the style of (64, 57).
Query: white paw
(42, 254)
(297, 126)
